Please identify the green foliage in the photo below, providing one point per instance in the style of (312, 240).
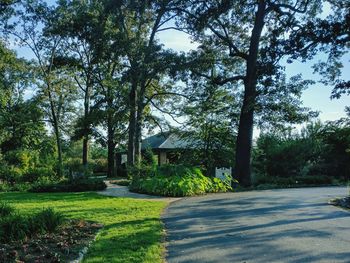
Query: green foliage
(14, 226)
(6, 209)
(48, 220)
(318, 155)
(75, 166)
(148, 157)
(177, 180)
(99, 165)
(37, 173)
(133, 231)
(308, 180)
(79, 185)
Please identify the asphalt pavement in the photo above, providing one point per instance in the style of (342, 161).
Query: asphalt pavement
(289, 225)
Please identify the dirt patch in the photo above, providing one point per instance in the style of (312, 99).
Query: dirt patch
(64, 245)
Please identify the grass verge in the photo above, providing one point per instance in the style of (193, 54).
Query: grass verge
(132, 228)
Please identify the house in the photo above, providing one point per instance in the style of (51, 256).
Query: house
(168, 147)
(164, 145)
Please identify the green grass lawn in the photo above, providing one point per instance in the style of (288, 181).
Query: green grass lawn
(132, 228)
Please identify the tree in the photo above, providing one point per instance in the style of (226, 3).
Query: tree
(19, 120)
(331, 36)
(95, 47)
(210, 121)
(251, 34)
(146, 62)
(55, 87)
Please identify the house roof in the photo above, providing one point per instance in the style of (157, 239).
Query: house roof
(166, 140)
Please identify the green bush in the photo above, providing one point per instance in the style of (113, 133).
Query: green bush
(80, 185)
(313, 180)
(15, 187)
(265, 182)
(5, 209)
(177, 180)
(142, 171)
(14, 227)
(5, 187)
(75, 166)
(11, 174)
(47, 220)
(99, 165)
(33, 174)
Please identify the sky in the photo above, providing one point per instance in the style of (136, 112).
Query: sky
(317, 97)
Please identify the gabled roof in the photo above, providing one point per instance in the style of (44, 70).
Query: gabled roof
(166, 140)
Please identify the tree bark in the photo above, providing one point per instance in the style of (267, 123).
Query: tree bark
(111, 146)
(138, 129)
(86, 125)
(85, 150)
(56, 128)
(132, 124)
(138, 136)
(87, 95)
(59, 151)
(246, 122)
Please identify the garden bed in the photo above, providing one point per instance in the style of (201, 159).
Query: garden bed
(64, 245)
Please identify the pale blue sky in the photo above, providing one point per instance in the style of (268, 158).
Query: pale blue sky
(316, 97)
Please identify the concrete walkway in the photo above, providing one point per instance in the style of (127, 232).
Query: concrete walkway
(293, 225)
(123, 191)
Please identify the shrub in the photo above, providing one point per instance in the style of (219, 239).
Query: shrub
(5, 209)
(47, 221)
(12, 174)
(5, 187)
(80, 185)
(263, 182)
(177, 180)
(75, 168)
(314, 180)
(142, 170)
(33, 174)
(14, 227)
(99, 165)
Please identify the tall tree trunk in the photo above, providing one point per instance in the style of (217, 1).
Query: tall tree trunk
(246, 122)
(59, 151)
(56, 128)
(138, 129)
(111, 146)
(85, 150)
(132, 124)
(86, 124)
(110, 134)
(138, 136)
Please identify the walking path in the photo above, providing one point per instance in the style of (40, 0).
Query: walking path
(292, 225)
(123, 191)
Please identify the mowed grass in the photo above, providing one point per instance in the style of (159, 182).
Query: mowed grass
(132, 228)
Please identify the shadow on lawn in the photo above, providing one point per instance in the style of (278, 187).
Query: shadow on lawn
(132, 229)
(114, 243)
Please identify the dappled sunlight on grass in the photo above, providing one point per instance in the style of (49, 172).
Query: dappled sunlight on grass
(132, 228)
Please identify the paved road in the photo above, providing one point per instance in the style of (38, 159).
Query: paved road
(294, 225)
